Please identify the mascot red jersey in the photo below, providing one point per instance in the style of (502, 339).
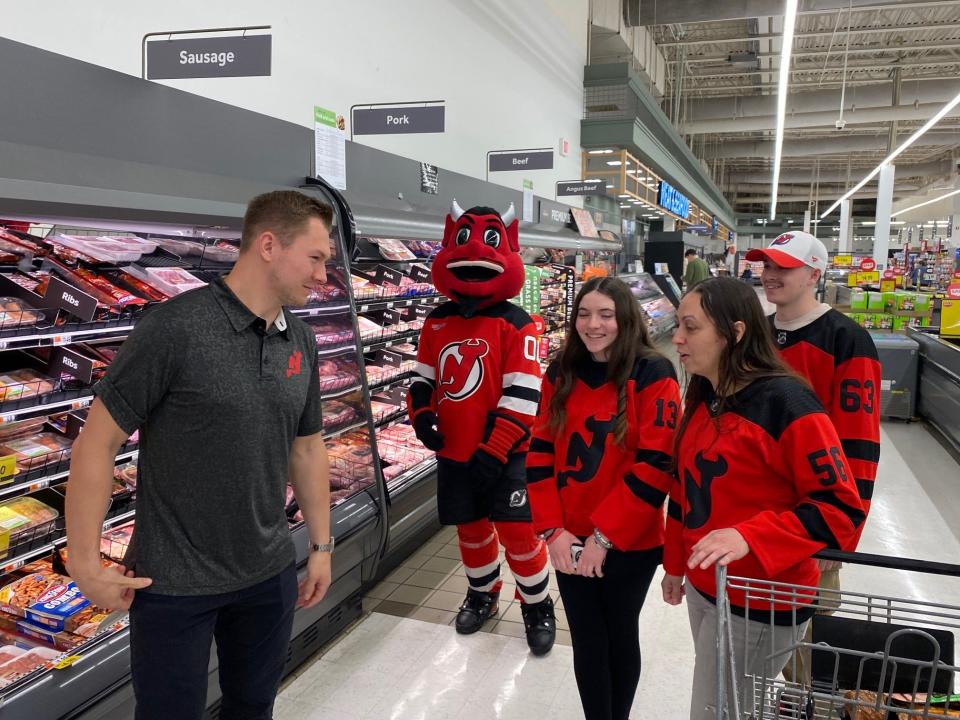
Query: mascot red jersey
(473, 400)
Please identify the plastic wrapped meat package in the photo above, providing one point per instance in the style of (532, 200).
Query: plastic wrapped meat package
(382, 410)
(15, 313)
(27, 662)
(24, 515)
(115, 542)
(369, 330)
(393, 250)
(103, 249)
(127, 474)
(168, 280)
(331, 333)
(23, 384)
(337, 375)
(33, 451)
(181, 247)
(132, 241)
(19, 428)
(336, 414)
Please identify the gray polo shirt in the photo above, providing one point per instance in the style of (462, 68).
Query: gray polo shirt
(218, 399)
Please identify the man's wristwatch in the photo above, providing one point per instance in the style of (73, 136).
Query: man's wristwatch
(601, 540)
(325, 547)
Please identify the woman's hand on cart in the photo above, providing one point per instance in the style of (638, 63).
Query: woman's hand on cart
(591, 559)
(672, 587)
(720, 546)
(559, 549)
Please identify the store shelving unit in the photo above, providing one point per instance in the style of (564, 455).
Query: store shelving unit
(657, 310)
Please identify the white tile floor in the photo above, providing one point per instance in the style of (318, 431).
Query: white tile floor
(397, 668)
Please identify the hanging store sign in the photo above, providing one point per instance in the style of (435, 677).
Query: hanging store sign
(399, 120)
(209, 57)
(66, 297)
(555, 214)
(572, 188)
(501, 161)
(671, 199)
(72, 363)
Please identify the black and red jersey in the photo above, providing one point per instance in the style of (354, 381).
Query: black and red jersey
(580, 478)
(769, 464)
(840, 361)
(480, 375)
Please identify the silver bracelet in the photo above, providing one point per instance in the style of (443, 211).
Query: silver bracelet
(602, 540)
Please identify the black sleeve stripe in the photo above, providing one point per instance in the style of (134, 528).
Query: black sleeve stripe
(828, 497)
(522, 393)
(674, 511)
(444, 310)
(775, 403)
(654, 458)
(645, 491)
(651, 369)
(539, 445)
(865, 488)
(816, 527)
(861, 450)
(538, 474)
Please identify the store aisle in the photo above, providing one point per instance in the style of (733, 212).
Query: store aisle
(404, 661)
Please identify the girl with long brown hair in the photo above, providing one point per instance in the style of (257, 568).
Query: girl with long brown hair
(598, 473)
(761, 485)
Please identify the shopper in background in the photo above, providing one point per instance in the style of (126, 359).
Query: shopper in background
(762, 484)
(730, 261)
(222, 384)
(837, 357)
(598, 473)
(697, 269)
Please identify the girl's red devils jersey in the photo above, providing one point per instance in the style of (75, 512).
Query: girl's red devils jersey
(840, 361)
(580, 479)
(475, 372)
(771, 466)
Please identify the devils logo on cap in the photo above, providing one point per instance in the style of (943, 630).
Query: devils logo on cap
(783, 239)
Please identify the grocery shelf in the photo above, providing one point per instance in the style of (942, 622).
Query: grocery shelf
(78, 399)
(31, 483)
(387, 419)
(330, 435)
(392, 381)
(411, 476)
(58, 335)
(336, 348)
(320, 309)
(334, 394)
(390, 304)
(393, 340)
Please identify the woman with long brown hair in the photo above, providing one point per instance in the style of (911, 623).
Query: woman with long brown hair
(762, 484)
(598, 473)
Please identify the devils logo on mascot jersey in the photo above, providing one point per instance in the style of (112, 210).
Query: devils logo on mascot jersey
(461, 369)
(479, 263)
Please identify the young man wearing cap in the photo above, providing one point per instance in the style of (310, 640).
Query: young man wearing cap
(836, 356)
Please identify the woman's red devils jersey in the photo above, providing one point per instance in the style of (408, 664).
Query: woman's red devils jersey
(840, 361)
(580, 478)
(771, 466)
(476, 373)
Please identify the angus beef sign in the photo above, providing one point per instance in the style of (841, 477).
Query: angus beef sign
(209, 57)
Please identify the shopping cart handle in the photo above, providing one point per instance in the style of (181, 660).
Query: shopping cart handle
(894, 563)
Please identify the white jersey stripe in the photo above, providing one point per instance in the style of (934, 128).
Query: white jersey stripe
(522, 380)
(426, 371)
(481, 572)
(524, 407)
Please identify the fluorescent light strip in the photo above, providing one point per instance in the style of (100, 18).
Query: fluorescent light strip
(786, 50)
(889, 158)
(928, 202)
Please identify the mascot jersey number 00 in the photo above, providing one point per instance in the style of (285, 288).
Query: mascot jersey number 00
(473, 400)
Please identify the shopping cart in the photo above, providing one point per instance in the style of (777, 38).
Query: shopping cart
(872, 657)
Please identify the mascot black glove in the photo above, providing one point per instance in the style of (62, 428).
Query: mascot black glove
(424, 425)
(484, 468)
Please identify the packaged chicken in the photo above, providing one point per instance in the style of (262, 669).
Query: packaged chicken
(37, 450)
(17, 596)
(21, 514)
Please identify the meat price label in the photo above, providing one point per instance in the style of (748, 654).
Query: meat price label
(8, 466)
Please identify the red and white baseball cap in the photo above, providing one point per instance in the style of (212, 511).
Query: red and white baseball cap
(792, 250)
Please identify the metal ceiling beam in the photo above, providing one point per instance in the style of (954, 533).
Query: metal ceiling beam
(933, 169)
(820, 146)
(741, 89)
(854, 50)
(810, 34)
(794, 70)
(640, 13)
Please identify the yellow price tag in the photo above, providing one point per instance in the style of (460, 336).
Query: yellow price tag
(8, 466)
(842, 260)
(66, 661)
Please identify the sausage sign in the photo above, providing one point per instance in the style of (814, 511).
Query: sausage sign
(209, 57)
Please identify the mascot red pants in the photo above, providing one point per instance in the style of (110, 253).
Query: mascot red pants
(473, 400)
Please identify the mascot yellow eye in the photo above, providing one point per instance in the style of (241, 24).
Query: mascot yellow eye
(463, 236)
(492, 237)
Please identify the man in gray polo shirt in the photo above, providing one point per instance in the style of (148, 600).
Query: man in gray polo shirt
(222, 383)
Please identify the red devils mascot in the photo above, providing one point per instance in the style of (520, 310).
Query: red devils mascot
(473, 400)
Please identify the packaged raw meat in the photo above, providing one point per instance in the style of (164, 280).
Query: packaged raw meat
(180, 247)
(37, 450)
(168, 280)
(337, 414)
(102, 249)
(61, 640)
(24, 513)
(368, 328)
(114, 543)
(22, 384)
(8, 652)
(218, 253)
(127, 474)
(31, 660)
(15, 313)
(393, 250)
(19, 428)
(132, 241)
(120, 297)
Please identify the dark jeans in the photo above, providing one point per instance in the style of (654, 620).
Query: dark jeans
(170, 638)
(604, 615)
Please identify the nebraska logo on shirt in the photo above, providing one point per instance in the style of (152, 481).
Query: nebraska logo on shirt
(293, 364)
(461, 368)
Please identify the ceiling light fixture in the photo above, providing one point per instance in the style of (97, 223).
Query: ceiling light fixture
(614, 163)
(928, 202)
(786, 50)
(889, 158)
(599, 152)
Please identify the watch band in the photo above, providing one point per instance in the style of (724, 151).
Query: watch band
(325, 547)
(602, 540)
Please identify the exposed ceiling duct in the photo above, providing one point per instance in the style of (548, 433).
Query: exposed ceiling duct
(820, 146)
(932, 169)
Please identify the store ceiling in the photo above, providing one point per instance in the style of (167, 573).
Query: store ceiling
(723, 62)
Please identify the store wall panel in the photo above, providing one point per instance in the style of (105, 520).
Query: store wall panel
(510, 73)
